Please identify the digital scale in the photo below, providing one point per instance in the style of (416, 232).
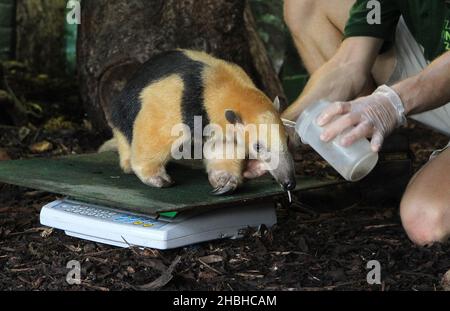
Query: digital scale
(110, 207)
(169, 230)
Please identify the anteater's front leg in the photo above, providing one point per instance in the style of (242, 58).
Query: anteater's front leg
(224, 175)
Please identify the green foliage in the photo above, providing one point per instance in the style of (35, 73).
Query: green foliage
(269, 13)
(273, 31)
(271, 28)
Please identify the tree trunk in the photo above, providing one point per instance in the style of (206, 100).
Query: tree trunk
(116, 36)
(40, 35)
(7, 33)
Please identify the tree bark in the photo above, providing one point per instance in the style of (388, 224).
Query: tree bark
(265, 69)
(40, 35)
(116, 36)
(7, 25)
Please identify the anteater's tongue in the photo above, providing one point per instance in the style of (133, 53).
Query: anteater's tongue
(290, 196)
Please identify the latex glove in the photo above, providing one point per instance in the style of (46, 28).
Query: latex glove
(376, 116)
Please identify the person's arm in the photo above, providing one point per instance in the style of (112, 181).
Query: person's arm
(343, 77)
(379, 114)
(428, 90)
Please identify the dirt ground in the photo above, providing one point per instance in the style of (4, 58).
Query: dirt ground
(317, 245)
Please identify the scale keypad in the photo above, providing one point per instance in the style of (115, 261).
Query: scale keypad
(88, 211)
(108, 215)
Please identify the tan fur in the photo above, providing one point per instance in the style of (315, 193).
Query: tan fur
(227, 87)
(152, 140)
(124, 151)
(234, 70)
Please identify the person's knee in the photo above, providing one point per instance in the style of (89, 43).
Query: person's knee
(423, 219)
(299, 13)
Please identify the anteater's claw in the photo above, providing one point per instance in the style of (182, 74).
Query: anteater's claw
(227, 189)
(223, 182)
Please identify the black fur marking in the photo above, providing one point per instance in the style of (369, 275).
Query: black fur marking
(233, 117)
(126, 107)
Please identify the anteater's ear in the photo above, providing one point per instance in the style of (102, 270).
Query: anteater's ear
(233, 117)
(277, 104)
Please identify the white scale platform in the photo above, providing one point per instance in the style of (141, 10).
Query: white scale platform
(124, 229)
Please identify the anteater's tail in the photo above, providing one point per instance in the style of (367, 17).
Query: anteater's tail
(110, 145)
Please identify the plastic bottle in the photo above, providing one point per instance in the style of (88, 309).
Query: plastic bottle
(353, 163)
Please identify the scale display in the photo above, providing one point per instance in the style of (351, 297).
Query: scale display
(124, 229)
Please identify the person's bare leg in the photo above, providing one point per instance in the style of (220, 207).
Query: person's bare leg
(425, 208)
(317, 27)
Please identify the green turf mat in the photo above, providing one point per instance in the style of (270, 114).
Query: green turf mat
(97, 179)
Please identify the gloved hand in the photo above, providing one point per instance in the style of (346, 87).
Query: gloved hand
(376, 116)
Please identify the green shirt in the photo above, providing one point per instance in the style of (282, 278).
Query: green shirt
(428, 21)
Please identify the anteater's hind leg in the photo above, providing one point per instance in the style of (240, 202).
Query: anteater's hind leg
(150, 152)
(149, 164)
(152, 133)
(224, 175)
(124, 149)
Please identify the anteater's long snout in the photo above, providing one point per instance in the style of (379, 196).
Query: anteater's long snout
(289, 185)
(284, 172)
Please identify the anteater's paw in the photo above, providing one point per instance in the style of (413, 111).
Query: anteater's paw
(126, 166)
(158, 181)
(255, 169)
(161, 180)
(223, 182)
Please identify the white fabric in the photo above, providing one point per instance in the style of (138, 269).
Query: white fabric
(410, 62)
(438, 152)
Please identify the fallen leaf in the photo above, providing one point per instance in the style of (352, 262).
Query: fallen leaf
(4, 156)
(75, 249)
(97, 288)
(24, 132)
(41, 147)
(207, 275)
(164, 279)
(58, 124)
(37, 108)
(211, 259)
(250, 275)
(46, 233)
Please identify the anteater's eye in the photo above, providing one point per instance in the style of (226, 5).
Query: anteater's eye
(258, 147)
